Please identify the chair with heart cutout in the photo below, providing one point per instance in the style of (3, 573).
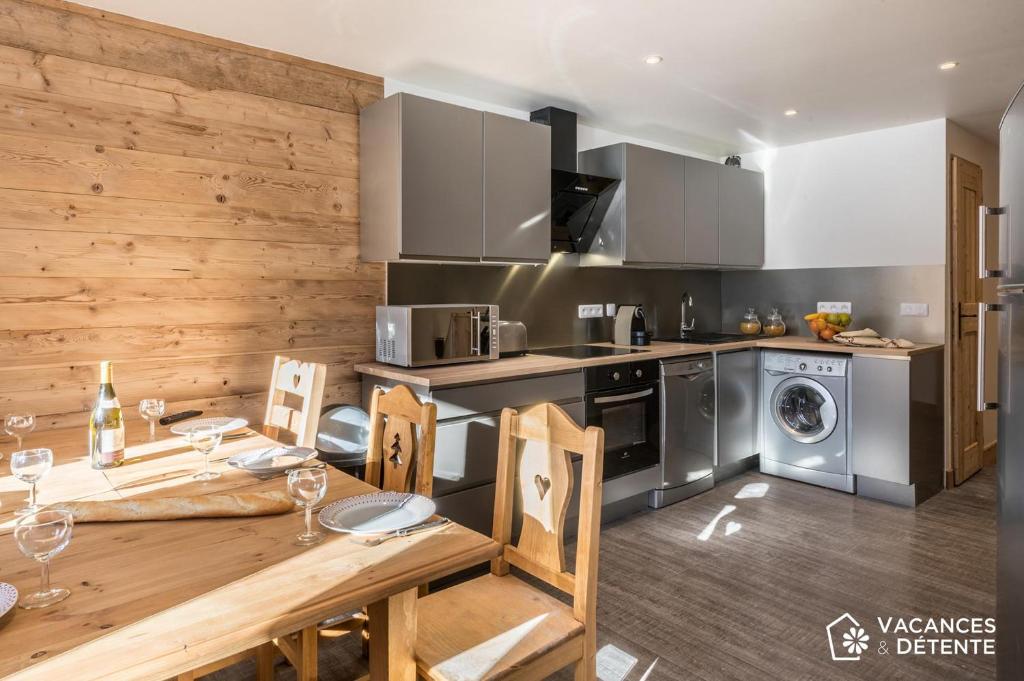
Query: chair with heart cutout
(498, 626)
(293, 403)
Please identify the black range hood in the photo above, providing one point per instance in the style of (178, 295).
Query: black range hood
(578, 201)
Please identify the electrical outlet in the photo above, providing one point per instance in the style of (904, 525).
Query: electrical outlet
(610, 309)
(590, 311)
(837, 308)
(913, 309)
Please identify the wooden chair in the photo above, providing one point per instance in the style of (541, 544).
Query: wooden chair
(293, 382)
(397, 460)
(293, 405)
(498, 626)
(395, 452)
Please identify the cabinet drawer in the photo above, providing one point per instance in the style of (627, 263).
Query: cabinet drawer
(493, 397)
(466, 451)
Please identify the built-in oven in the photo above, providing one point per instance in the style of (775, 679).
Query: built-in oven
(428, 335)
(623, 399)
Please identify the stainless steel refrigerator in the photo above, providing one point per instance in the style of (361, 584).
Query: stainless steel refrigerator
(1010, 306)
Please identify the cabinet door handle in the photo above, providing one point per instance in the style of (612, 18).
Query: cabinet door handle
(983, 271)
(982, 309)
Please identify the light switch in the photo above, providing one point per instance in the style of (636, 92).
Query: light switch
(913, 309)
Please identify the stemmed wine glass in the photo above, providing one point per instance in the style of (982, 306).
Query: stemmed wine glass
(41, 536)
(307, 486)
(19, 425)
(205, 439)
(151, 410)
(30, 465)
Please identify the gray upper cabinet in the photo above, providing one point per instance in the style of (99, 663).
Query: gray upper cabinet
(700, 212)
(517, 190)
(740, 217)
(644, 224)
(421, 193)
(443, 182)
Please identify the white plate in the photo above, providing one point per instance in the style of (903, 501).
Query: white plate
(225, 423)
(376, 513)
(272, 460)
(8, 598)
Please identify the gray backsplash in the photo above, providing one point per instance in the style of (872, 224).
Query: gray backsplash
(875, 292)
(545, 298)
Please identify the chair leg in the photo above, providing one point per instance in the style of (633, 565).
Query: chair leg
(585, 669)
(265, 655)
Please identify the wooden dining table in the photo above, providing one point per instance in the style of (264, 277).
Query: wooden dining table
(150, 600)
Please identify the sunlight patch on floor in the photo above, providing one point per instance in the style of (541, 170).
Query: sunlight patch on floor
(752, 490)
(614, 664)
(709, 530)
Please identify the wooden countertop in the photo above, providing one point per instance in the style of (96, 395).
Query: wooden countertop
(531, 365)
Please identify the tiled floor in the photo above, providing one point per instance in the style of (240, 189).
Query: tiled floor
(750, 596)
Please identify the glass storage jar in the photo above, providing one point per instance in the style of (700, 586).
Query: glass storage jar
(750, 325)
(774, 326)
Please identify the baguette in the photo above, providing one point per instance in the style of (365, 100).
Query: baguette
(175, 508)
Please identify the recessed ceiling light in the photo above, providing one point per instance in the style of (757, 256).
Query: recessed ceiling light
(653, 59)
(948, 65)
(790, 112)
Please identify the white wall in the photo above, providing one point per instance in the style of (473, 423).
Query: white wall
(587, 137)
(871, 199)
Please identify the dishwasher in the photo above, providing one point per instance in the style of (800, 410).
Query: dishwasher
(687, 429)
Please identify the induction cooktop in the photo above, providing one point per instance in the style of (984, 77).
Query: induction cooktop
(583, 351)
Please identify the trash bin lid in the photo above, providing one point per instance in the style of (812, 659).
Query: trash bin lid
(344, 433)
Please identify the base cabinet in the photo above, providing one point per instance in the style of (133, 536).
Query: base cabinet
(896, 427)
(466, 450)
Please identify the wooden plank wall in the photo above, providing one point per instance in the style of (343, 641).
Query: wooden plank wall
(182, 205)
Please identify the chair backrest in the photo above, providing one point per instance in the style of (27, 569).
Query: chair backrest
(396, 453)
(534, 461)
(293, 404)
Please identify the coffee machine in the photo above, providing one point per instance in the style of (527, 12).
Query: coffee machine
(631, 326)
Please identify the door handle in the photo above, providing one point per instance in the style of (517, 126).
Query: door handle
(611, 399)
(474, 334)
(983, 271)
(982, 309)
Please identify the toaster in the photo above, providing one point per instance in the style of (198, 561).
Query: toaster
(511, 338)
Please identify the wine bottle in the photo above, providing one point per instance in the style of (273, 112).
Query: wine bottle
(106, 427)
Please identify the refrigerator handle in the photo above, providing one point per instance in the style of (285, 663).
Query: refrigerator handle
(983, 271)
(982, 309)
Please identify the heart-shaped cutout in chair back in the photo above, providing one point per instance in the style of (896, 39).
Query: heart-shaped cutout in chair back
(543, 485)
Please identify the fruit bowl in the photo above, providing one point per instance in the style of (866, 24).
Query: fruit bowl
(825, 325)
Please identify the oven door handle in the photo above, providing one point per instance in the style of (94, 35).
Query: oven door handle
(611, 399)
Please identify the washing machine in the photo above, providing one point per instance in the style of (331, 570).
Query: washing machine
(805, 418)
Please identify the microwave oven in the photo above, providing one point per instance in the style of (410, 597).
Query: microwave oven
(429, 335)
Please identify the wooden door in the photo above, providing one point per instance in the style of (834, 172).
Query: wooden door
(967, 427)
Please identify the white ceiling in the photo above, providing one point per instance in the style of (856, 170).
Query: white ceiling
(731, 66)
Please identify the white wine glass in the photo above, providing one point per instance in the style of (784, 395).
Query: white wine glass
(151, 410)
(19, 425)
(307, 486)
(30, 465)
(41, 536)
(205, 439)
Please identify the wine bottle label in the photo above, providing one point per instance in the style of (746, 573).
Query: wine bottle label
(111, 445)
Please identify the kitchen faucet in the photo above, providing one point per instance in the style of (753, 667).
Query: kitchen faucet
(684, 326)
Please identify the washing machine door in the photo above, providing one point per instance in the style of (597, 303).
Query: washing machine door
(804, 410)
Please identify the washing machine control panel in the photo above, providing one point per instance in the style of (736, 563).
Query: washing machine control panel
(810, 365)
